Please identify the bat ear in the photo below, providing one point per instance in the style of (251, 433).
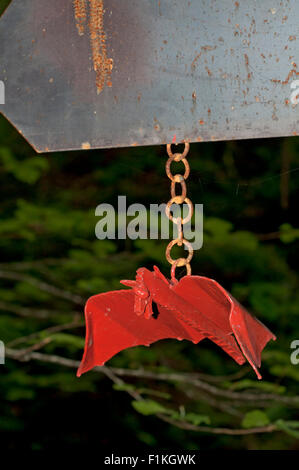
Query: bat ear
(128, 283)
(160, 275)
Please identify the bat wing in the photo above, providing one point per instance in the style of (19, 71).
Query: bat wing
(194, 306)
(251, 334)
(204, 294)
(112, 326)
(216, 303)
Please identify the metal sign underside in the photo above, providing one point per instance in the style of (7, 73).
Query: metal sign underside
(95, 74)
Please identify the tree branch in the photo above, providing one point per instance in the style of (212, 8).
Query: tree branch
(210, 430)
(32, 313)
(50, 330)
(114, 375)
(53, 290)
(166, 377)
(211, 389)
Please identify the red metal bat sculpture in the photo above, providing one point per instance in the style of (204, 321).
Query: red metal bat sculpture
(193, 308)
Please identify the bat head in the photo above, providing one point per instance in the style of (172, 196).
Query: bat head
(143, 286)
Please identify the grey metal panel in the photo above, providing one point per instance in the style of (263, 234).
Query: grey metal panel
(198, 70)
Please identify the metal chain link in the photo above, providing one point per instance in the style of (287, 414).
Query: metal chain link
(179, 199)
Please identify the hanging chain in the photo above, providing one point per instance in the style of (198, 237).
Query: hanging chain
(179, 199)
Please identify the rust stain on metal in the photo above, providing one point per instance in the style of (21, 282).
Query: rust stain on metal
(292, 72)
(101, 63)
(203, 49)
(208, 48)
(80, 15)
(193, 65)
(86, 146)
(249, 74)
(286, 81)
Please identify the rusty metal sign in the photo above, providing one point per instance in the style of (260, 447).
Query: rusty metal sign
(109, 73)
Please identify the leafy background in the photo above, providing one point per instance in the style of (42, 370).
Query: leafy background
(51, 262)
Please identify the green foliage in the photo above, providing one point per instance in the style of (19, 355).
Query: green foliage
(289, 427)
(255, 419)
(149, 407)
(285, 371)
(28, 170)
(124, 387)
(265, 386)
(68, 340)
(197, 419)
(193, 418)
(288, 234)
